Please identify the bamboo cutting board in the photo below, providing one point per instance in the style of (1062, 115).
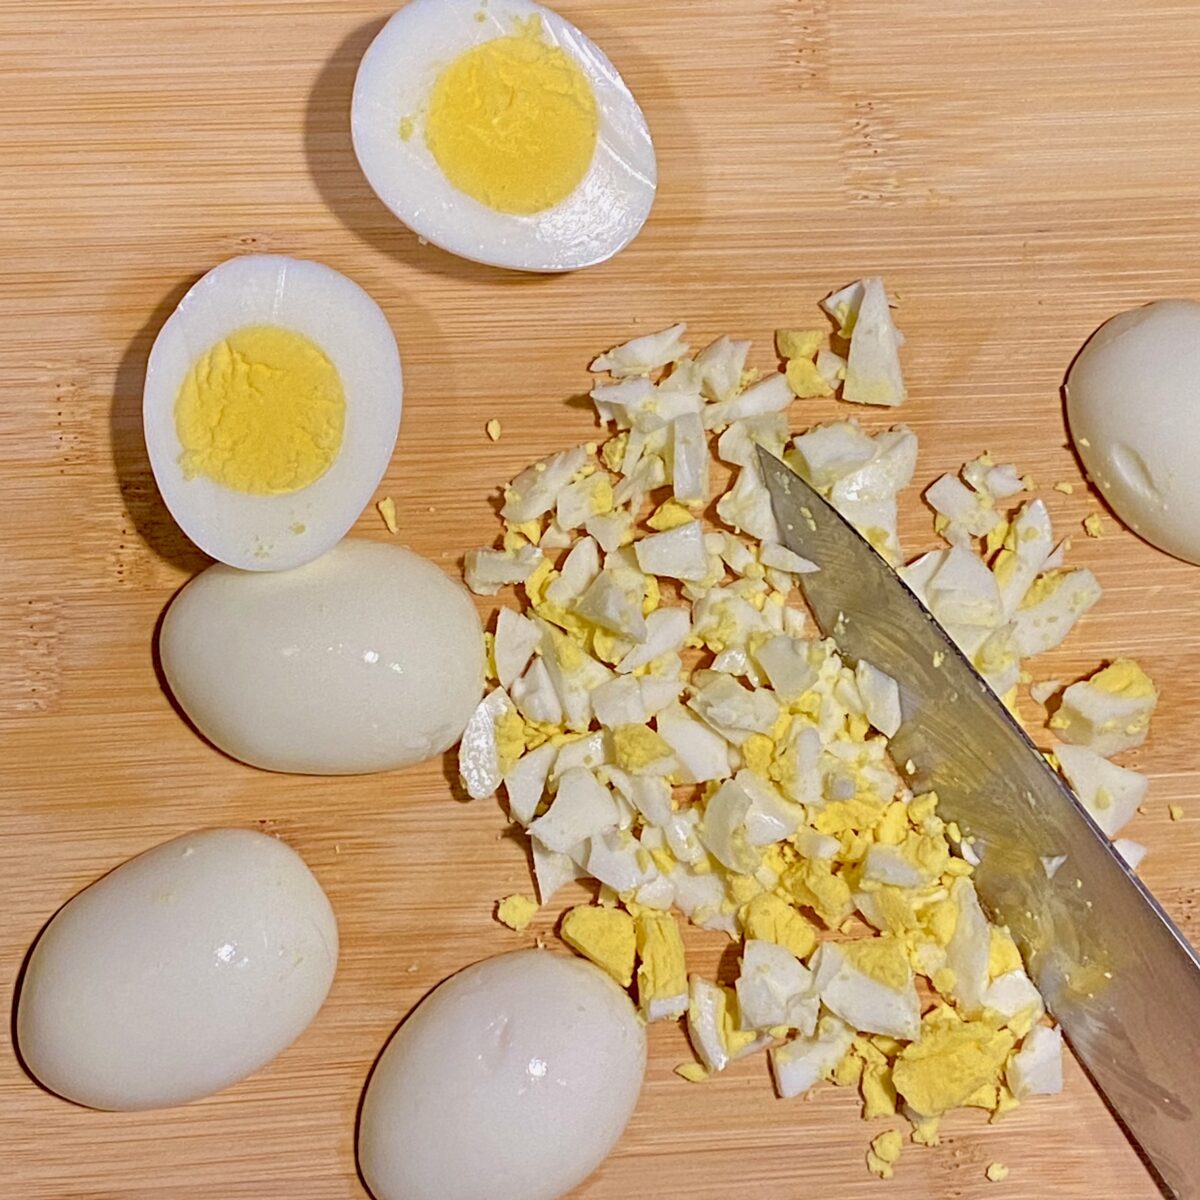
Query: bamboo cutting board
(1018, 171)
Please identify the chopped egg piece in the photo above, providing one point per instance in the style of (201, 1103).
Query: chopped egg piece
(873, 373)
(869, 984)
(713, 1025)
(801, 1063)
(642, 355)
(1036, 1069)
(1110, 711)
(603, 935)
(775, 990)
(1111, 794)
(662, 985)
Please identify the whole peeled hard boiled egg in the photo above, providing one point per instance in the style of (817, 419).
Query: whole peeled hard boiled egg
(177, 974)
(498, 131)
(271, 407)
(513, 1080)
(368, 659)
(1133, 406)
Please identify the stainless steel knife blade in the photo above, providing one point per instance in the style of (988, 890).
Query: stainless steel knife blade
(1115, 971)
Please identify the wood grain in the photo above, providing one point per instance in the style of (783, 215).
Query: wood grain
(1018, 171)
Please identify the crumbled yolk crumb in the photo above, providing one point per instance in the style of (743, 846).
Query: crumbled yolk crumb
(1175, 812)
(516, 911)
(884, 1153)
(693, 1072)
(493, 429)
(1093, 525)
(996, 1172)
(387, 510)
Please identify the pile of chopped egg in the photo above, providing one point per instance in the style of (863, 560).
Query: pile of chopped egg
(664, 722)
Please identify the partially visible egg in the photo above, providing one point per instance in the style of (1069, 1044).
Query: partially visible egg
(513, 1081)
(1133, 405)
(368, 659)
(498, 131)
(271, 406)
(177, 974)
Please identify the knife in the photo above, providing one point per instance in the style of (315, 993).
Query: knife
(1118, 975)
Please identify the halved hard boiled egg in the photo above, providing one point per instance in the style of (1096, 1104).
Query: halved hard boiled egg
(271, 407)
(498, 131)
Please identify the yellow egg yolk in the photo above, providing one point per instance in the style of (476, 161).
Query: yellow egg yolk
(662, 971)
(263, 411)
(513, 122)
(606, 936)
(953, 1060)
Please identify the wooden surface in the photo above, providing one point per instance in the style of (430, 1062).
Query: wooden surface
(1018, 171)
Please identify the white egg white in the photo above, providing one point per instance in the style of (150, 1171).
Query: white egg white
(273, 533)
(599, 218)
(177, 974)
(1133, 405)
(513, 1081)
(368, 659)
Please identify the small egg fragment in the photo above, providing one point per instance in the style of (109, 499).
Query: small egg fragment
(368, 659)
(270, 409)
(1133, 406)
(177, 974)
(498, 131)
(513, 1080)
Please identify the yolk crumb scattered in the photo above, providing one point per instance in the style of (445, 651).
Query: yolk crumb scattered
(516, 911)
(884, 1153)
(387, 510)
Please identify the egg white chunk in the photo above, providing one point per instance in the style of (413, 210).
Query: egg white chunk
(512, 1080)
(368, 659)
(1036, 1069)
(602, 215)
(800, 1064)
(275, 532)
(1110, 793)
(181, 972)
